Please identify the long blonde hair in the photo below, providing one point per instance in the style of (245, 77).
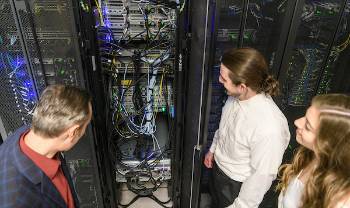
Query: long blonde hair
(330, 179)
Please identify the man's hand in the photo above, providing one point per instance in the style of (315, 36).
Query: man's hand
(208, 160)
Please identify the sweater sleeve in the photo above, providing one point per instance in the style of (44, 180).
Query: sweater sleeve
(266, 156)
(252, 191)
(223, 118)
(213, 144)
(268, 149)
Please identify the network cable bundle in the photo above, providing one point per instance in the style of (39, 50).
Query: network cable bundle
(137, 50)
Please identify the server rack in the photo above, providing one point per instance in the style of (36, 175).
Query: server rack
(317, 29)
(312, 56)
(138, 51)
(19, 90)
(66, 48)
(334, 77)
(243, 24)
(41, 45)
(200, 42)
(39, 49)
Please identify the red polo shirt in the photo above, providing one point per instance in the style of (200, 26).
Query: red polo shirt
(52, 169)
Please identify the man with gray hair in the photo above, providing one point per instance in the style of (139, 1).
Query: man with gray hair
(33, 172)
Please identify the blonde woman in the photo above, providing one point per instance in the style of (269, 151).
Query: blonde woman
(319, 175)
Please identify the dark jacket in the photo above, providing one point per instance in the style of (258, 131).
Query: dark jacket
(23, 184)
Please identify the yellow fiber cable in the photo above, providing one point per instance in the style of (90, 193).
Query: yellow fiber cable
(342, 46)
(99, 12)
(161, 85)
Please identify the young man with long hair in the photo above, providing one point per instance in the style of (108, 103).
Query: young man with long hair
(253, 134)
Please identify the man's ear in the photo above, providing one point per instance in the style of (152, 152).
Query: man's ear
(242, 88)
(73, 131)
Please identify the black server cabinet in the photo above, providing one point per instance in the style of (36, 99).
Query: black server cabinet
(77, 43)
(109, 48)
(305, 44)
(139, 64)
(257, 24)
(335, 76)
(198, 44)
(19, 90)
(309, 50)
(314, 57)
(262, 27)
(42, 44)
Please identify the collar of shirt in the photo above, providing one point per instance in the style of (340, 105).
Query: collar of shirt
(49, 166)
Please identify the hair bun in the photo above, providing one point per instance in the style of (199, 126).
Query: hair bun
(270, 86)
(269, 79)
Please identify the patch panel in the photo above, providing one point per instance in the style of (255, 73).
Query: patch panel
(161, 99)
(123, 62)
(128, 67)
(120, 15)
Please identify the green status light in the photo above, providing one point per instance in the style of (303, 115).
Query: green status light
(163, 109)
(233, 36)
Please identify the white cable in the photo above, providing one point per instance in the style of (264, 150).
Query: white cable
(160, 152)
